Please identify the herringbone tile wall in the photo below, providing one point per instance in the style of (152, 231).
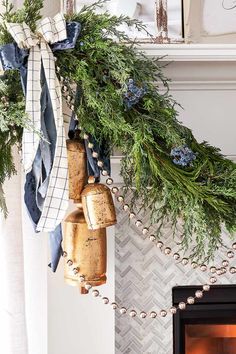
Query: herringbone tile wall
(144, 279)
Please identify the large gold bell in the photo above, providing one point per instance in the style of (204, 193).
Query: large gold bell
(86, 252)
(77, 164)
(98, 206)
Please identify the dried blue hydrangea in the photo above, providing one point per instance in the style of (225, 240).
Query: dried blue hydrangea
(183, 156)
(133, 93)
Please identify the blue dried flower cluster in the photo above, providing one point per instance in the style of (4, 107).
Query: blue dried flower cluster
(183, 156)
(133, 94)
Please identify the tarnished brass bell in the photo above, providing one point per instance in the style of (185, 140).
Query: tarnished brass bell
(77, 164)
(86, 249)
(98, 206)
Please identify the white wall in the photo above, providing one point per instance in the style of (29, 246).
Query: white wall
(206, 91)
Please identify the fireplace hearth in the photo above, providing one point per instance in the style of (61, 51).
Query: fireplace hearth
(208, 326)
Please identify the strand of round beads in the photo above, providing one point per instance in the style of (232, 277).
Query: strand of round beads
(143, 314)
(163, 312)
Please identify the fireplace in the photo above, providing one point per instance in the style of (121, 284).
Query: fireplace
(208, 326)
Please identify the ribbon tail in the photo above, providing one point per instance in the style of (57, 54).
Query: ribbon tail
(57, 198)
(31, 136)
(55, 246)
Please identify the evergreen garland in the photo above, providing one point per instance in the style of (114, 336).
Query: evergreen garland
(179, 180)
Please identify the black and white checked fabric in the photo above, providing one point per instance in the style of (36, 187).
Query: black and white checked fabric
(49, 31)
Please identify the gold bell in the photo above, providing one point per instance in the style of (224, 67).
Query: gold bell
(98, 206)
(86, 252)
(77, 164)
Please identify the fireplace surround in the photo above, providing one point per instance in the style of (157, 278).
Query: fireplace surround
(208, 326)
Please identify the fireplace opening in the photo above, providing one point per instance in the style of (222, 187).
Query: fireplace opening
(208, 339)
(208, 326)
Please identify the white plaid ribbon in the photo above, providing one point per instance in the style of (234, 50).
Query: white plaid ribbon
(48, 32)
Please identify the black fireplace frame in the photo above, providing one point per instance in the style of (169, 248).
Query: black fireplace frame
(218, 306)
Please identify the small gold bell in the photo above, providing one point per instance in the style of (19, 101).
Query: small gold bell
(77, 164)
(98, 206)
(86, 252)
